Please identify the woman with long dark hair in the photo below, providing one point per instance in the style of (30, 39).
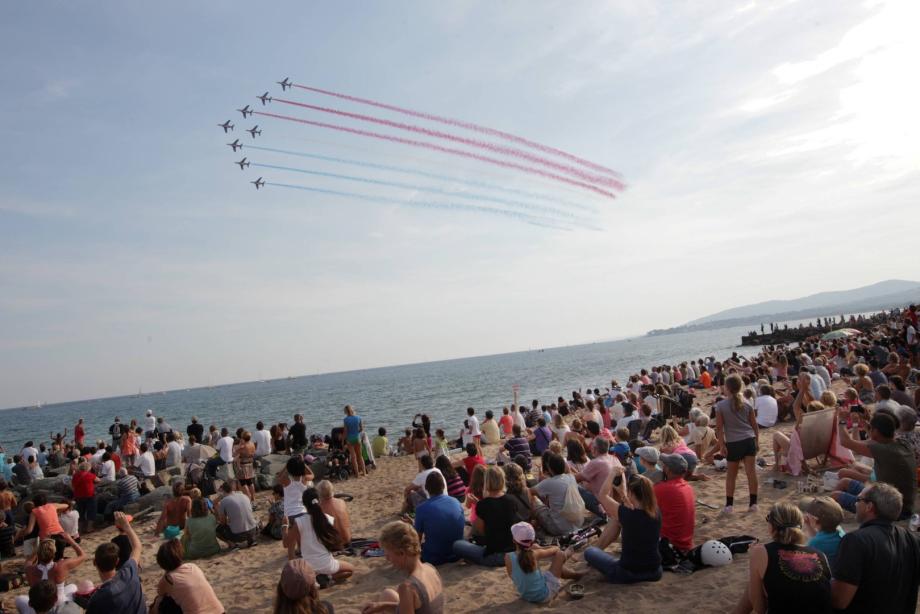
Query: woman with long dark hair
(318, 539)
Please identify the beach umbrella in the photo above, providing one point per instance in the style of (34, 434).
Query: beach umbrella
(205, 452)
(842, 333)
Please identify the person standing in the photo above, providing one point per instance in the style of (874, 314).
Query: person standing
(115, 432)
(195, 429)
(298, 434)
(353, 428)
(79, 434)
(150, 425)
(84, 492)
(263, 440)
(737, 432)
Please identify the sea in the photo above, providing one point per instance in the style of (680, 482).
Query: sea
(385, 396)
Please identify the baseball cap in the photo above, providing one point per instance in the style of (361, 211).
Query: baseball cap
(297, 578)
(648, 454)
(523, 533)
(675, 462)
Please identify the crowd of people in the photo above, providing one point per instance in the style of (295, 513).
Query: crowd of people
(619, 462)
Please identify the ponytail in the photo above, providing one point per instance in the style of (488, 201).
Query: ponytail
(734, 384)
(526, 559)
(325, 532)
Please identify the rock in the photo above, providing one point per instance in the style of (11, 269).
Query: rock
(154, 499)
(271, 464)
(264, 481)
(165, 477)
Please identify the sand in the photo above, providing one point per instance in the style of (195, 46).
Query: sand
(245, 579)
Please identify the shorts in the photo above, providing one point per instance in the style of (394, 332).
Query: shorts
(354, 439)
(552, 586)
(224, 532)
(246, 481)
(739, 450)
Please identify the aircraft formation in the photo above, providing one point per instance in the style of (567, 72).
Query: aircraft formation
(553, 169)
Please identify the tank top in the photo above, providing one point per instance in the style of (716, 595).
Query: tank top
(530, 586)
(312, 549)
(797, 579)
(293, 497)
(427, 606)
(46, 518)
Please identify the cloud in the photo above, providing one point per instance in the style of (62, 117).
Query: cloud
(59, 89)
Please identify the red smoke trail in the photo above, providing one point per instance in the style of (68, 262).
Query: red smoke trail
(441, 148)
(499, 149)
(469, 126)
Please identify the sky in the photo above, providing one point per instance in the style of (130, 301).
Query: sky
(770, 149)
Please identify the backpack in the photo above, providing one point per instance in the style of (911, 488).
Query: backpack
(573, 509)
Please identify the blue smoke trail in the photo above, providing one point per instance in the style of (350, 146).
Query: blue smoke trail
(418, 188)
(409, 171)
(524, 217)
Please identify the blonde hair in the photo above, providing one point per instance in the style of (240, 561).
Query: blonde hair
(702, 420)
(46, 551)
(786, 522)
(669, 437)
(495, 479)
(861, 369)
(734, 384)
(401, 538)
(555, 446)
(828, 398)
(325, 490)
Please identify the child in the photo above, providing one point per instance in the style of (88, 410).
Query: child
(70, 522)
(506, 422)
(404, 445)
(295, 479)
(522, 566)
(380, 445)
(420, 446)
(275, 513)
(441, 445)
(621, 447)
(823, 516)
(703, 440)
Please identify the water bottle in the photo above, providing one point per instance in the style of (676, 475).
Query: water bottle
(915, 522)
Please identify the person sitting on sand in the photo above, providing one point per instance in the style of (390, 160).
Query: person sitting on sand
(495, 513)
(45, 568)
(639, 520)
(176, 510)
(594, 474)
(550, 510)
(785, 575)
(296, 591)
(523, 567)
(469, 462)
(475, 492)
(672, 443)
(276, 515)
(676, 502)
(121, 589)
(199, 540)
(516, 489)
(422, 591)
(455, 486)
(823, 516)
(318, 539)
(781, 441)
(415, 492)
(234, 515)
(518, 445)
(440, 522)
(183, 585)
(337, 508)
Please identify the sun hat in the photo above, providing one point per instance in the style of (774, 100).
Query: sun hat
(648, 454)
(297, 578)
(171, 532)
(523, 534)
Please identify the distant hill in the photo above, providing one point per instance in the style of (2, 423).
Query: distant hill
(882, 295)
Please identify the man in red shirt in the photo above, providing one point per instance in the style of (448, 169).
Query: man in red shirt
(84, 493)
(677, 502)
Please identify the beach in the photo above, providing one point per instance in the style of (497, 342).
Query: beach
(245, 579)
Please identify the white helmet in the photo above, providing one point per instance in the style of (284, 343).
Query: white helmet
(720, 464)
(715, 554)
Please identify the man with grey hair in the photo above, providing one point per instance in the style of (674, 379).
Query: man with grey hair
(878, 565)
